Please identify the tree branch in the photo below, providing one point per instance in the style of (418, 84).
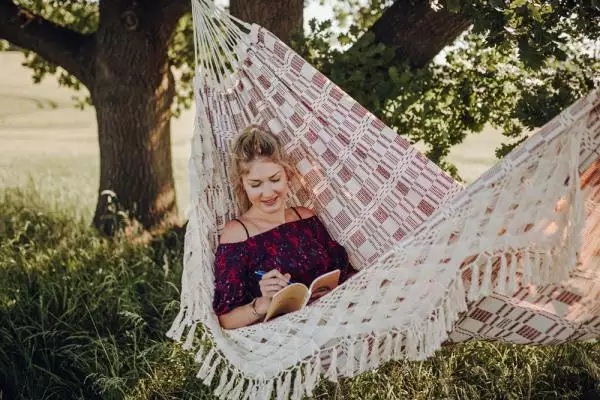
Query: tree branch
(416, 31)
(56, 44)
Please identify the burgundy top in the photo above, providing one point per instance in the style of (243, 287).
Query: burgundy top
(302, 248)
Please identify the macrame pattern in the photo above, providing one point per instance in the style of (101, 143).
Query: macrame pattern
(512, 257)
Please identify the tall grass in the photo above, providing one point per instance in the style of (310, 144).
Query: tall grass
(84, 317)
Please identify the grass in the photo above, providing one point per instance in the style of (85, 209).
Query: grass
(85, 317)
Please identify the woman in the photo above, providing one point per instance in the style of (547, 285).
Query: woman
(285, 243)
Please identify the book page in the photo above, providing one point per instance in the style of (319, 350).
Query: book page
(325, 283)
(289, 299)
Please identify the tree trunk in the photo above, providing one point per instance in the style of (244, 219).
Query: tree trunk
(284, 18)
(132, 92)
(416, 31)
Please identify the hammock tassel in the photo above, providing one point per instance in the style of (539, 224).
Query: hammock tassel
(268, 390)
(433, 335)
(177, 327)
(461, 302)
(373, 361)
(536, 268)
(556, 266)
(246, 395)
(203, 372)
(279, 388)
(487, 278)
(474, 291)
(441, 319)
(200, 355)
(449, 313)
(189, 340)
(314, 376)
(258, 390)
(222, 382)
(362, 366)
(208, 380)
(512, 274)
(526, 278)
(426, 336)
(298, 387)
(350, 361)
(398, 345)
(501, 286)
(308, 380)
(332, 371)
(229, 386)
(546, 274)
(562, 267)
(411, 344)
(388, 342)
(564, 271)
(284, 392)
(237, 392)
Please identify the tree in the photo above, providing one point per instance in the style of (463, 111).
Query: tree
(284, 18)
(119, 51)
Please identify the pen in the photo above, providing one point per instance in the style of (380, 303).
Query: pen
(260, 274)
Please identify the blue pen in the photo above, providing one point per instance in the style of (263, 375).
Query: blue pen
(260, 274)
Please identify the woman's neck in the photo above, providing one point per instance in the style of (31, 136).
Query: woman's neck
(276, 218)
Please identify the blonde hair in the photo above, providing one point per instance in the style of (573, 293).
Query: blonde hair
(253, 143)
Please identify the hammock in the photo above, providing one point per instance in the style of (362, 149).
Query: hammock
(513, 257)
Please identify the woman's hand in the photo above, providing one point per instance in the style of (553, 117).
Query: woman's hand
(272, 282)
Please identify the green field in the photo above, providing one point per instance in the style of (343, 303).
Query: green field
(85, 317)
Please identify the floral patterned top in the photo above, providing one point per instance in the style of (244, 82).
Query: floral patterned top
(302, 248)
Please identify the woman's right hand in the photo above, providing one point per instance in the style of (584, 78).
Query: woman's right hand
(272, 282)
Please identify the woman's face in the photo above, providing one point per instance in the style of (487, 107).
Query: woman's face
(266, 185)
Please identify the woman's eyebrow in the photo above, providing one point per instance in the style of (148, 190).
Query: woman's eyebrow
(259, 180)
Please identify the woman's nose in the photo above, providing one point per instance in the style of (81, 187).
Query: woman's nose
(268, 190)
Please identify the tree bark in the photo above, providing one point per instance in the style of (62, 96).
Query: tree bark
(284, 18)
(416, 31)
(133, 90)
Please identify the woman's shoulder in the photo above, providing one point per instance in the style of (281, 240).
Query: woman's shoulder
(233, 232)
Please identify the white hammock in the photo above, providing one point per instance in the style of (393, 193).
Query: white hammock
(418, 237)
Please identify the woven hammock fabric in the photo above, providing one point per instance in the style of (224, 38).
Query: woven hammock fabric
(513, 257)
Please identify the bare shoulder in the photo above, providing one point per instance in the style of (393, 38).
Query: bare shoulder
(305, 212)
(233, 232)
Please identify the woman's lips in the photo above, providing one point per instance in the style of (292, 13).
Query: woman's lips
(270, 202)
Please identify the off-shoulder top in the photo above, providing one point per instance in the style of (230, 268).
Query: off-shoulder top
(303, 248)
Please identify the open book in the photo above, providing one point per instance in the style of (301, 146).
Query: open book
(296, 295)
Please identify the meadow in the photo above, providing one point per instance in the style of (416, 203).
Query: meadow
(85, 317)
